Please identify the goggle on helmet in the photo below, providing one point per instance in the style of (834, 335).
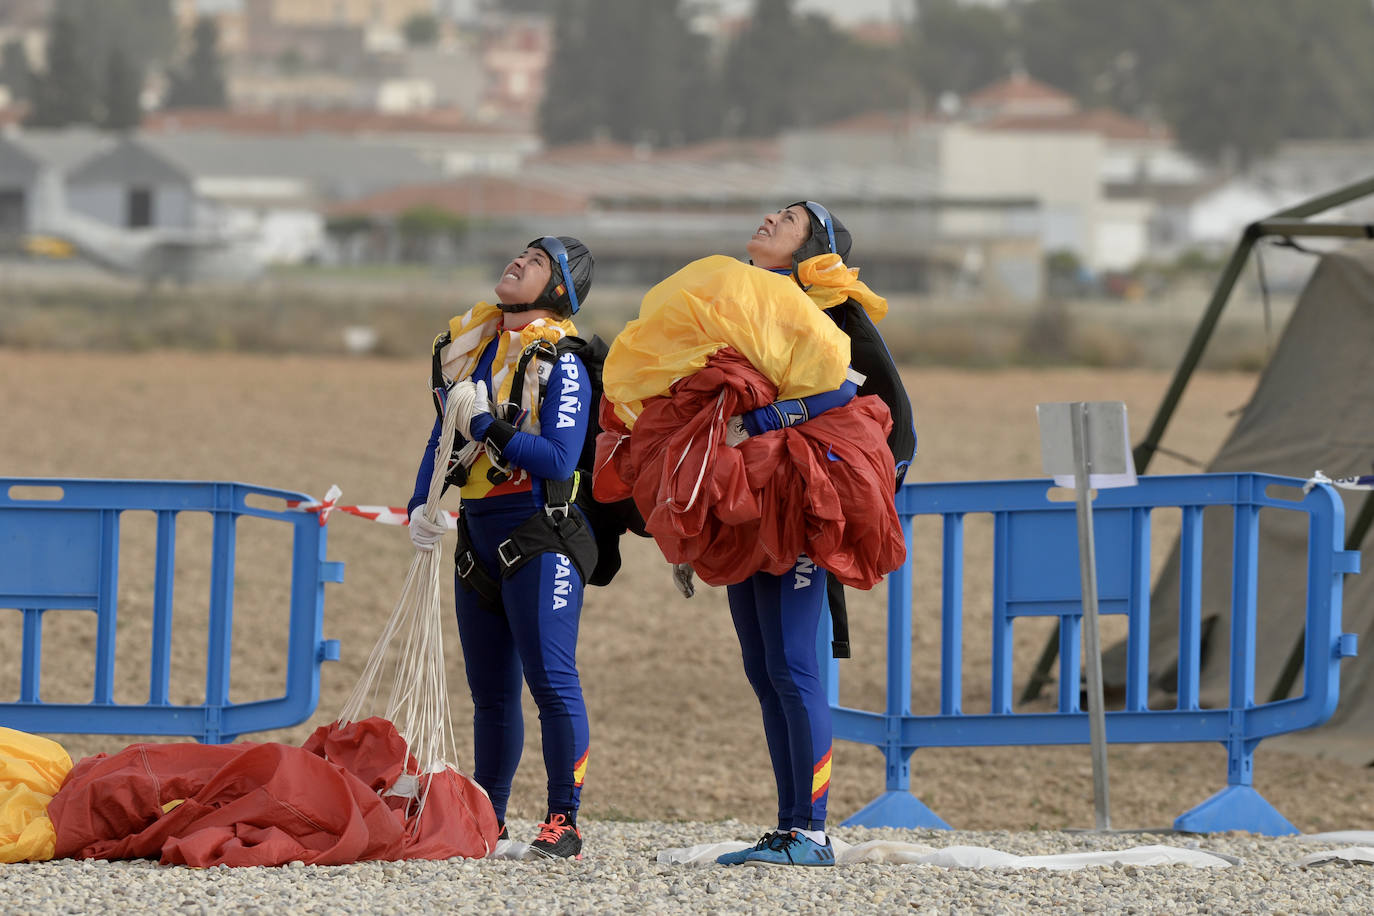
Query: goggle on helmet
(571, 279)
(828, 234)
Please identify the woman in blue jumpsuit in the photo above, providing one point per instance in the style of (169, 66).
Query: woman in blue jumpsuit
(777, 618)
(518, 608)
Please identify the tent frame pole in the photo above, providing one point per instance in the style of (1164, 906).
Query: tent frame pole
(1287, 223)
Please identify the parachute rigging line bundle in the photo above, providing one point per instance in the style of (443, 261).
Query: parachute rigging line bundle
(406, 667)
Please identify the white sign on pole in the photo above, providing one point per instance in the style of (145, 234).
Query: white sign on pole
(1084, 445)
(1110, 463)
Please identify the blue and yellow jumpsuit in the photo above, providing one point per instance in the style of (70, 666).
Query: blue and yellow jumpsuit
(777, 619)
(534, 632)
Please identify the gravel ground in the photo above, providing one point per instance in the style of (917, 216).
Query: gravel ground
(619, 873)
(678, 747)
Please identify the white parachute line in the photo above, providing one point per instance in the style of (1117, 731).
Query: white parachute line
(404, 678)
(706, 456)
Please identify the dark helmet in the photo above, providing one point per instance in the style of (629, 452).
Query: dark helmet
(571, 276)
(828, 234)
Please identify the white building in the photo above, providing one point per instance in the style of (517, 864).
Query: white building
(1023, 139)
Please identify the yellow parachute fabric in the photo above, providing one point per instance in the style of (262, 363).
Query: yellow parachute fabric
(717, 302)
(829, 282)
(32, 769)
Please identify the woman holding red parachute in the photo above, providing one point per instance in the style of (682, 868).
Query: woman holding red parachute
(749, 411)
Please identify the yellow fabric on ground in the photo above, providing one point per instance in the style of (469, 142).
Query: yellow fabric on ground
(716, 302)
(32, 769)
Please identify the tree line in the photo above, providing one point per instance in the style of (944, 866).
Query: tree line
(99, 54)
(1231, 78)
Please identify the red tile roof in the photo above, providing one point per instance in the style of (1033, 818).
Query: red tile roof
(875, 32)
(1019, 87)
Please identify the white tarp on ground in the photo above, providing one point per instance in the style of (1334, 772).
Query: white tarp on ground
(1351, 855)
(1357, 837)
(1360, 853)
(891, 852)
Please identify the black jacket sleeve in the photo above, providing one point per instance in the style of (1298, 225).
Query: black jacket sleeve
(869, 355)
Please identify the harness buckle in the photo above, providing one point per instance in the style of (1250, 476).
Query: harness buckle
(465, 562)
(556, 511)
(508, 546)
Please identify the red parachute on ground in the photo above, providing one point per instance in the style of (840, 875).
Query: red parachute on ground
(365, 787)
(330, 802)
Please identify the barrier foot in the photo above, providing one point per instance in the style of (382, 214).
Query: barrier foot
(1235, 808)
(896, 809)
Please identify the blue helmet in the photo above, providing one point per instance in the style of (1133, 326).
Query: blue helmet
(828, 234)
(571, 276)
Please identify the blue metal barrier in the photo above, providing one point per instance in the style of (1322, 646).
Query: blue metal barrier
(1035, 573)
(59, 550)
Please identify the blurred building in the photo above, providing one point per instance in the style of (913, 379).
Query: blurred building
(514, 57)
(25, 157)
(444, 140)
(275, 188)
(1087, 171)
(299, 54)
(27, 21)
(379, 14)
(456, 75)
(334, 33)
(229, 21)
(1213, 218)
(23, 15)
(647, 213)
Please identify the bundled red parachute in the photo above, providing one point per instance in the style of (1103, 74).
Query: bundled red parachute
(330, 802)
(822, 488)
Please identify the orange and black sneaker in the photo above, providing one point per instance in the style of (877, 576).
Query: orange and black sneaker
(558, 838)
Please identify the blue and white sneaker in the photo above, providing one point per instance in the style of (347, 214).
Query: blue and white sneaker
(738, 856)
(792, 849)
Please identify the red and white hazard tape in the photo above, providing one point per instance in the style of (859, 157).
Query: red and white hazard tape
(387, 515)
(397, 515)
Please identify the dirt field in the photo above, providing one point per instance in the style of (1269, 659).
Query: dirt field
(675, 729)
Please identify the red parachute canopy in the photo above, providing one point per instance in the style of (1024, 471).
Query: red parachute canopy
(822, 488)
(267, 804)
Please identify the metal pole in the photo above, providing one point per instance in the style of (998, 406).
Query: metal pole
(1203, 333)
(1092, 656)
(1283, 222)
(1040, 675)
(1323, 202)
